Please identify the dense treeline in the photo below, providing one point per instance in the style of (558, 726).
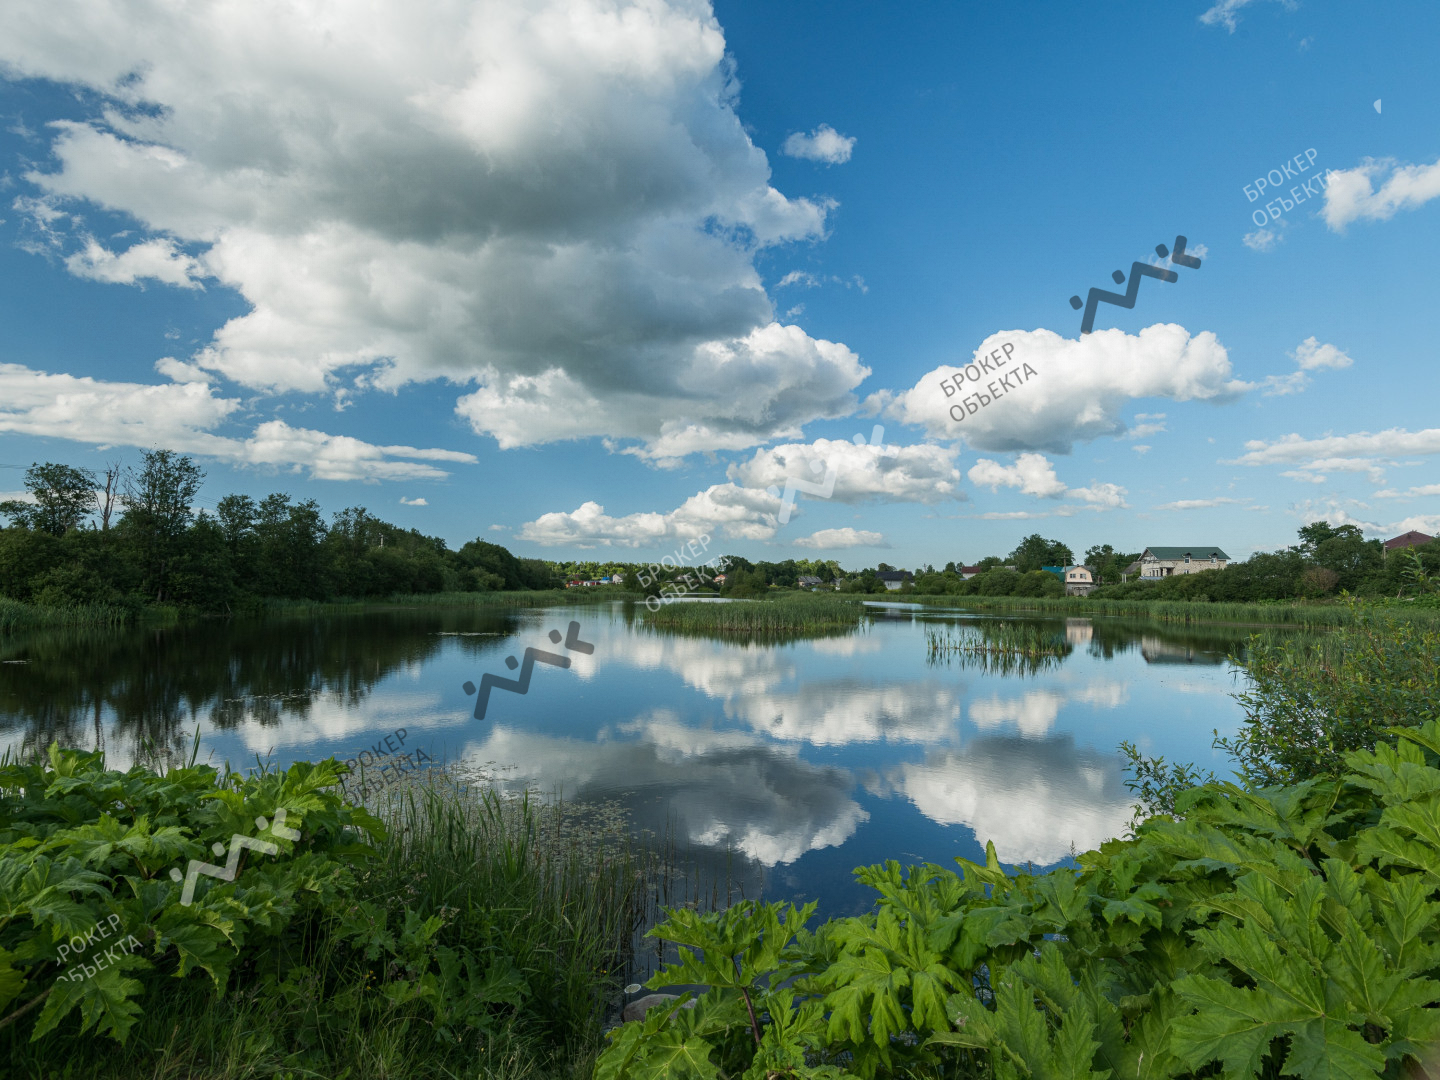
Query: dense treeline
(158, 550)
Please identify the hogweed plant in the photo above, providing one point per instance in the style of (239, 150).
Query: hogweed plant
(1291, 930)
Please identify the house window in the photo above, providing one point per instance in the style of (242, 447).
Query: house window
(1187, 558)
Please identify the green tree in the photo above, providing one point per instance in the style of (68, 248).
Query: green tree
(1035, 551)
(157, 500)
(63, 495)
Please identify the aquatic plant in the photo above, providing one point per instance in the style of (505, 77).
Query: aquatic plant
(791, 614)
(999, 639)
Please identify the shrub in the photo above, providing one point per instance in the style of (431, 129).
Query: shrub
(1314, 699)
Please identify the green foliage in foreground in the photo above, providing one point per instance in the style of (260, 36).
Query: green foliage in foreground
(1287, 931)
(447, 936)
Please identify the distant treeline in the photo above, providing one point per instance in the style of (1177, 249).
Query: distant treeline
(133, 537)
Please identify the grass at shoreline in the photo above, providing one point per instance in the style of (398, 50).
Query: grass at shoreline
(16, 616)
(1257, 614)
(517, 598)
(19, 617)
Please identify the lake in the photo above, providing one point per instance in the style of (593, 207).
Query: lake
(781, 766)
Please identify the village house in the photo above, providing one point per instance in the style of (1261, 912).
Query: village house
(894, 579)
(1079, 581)
(808, 582)
(1163, 562)
(1407, 540)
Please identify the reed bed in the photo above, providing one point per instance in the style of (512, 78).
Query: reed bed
(16, 617)
(795, 613)
(1004, 638)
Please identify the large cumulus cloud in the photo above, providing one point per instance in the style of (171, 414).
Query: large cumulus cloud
(1078, 389)
(553, 204)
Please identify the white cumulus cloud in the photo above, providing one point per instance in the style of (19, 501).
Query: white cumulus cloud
(157, 260)
(833, 539)
(1077, 391)
(552, 203)
(743, 508)
(823, 144)
(1350, 194)
(181, 415)
(1034, 475)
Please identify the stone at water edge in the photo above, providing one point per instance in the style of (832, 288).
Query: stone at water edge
(637, 1009)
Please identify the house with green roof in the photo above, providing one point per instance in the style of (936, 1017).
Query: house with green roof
(1163, 562)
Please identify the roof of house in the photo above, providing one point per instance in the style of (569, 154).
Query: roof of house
(807, 579)
(970, 569)
(1175, 553)
(894, 575)
(1057, 570)
(1409, 539)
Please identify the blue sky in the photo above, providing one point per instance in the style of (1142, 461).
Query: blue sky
(588, 278)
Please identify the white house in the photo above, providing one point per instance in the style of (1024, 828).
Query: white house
(1163, 562)
(894, 579)
(1078, 580)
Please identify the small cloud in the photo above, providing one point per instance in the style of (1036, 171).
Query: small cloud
(1350, 194)
(1278, 385)
(798, 277)
(1141, 449)
(1309, 478)
(1223, 12)
(158, 260)
(823, 144)
(413, 502)
(1260, 240)
(828, 539)
(1414, 492)
(1310, 354)
(181, 372)
(1149, 424)
(1200, 504)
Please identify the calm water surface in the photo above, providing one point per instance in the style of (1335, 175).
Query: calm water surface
(789, 764)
